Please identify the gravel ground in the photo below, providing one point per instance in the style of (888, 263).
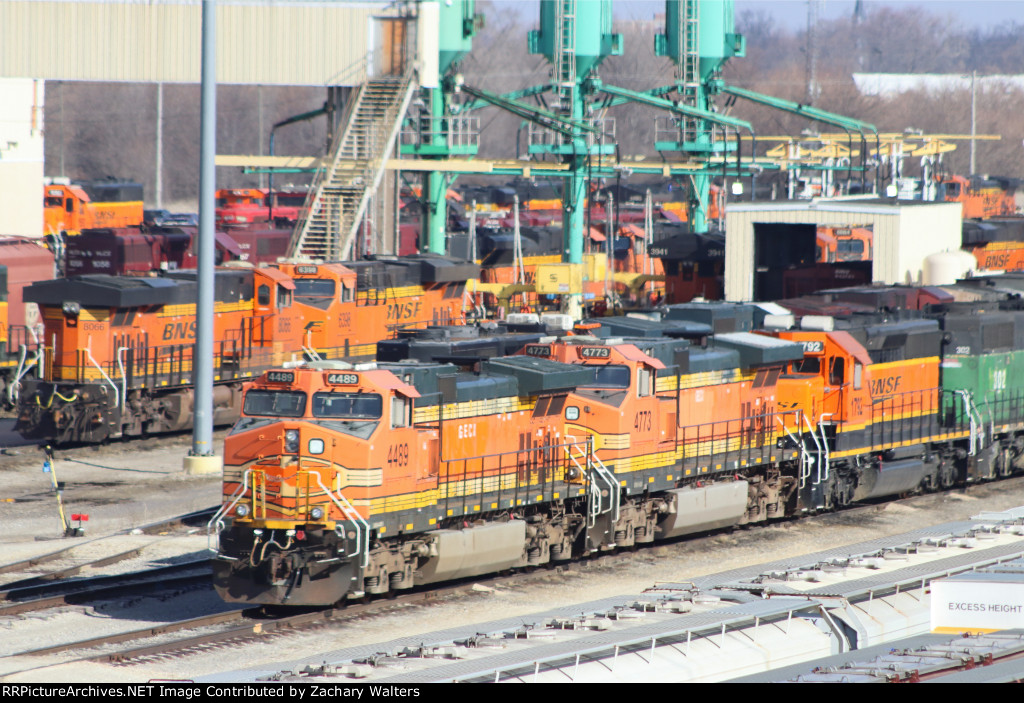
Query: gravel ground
(119, 487)
(124, 485)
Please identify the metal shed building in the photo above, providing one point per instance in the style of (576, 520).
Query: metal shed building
(905, 234)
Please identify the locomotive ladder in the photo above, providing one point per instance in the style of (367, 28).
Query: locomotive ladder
(601, 478)
(342, 188)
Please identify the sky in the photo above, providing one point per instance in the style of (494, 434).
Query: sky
(981, 14)
(792, 14)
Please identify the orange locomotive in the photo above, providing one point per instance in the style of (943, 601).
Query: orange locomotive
(345, 481)
(341, 481)
(69, 207)
(118, 350)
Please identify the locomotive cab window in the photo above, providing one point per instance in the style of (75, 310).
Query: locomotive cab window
(346, 293)
(349, 406)
(400, 411)
(836, 370)
(284, 297)
(643, 381)
(611, 376)
(275, 403)
(263, 295)
(858, 373)
(808, 364)
(850, 247)
(314, 287)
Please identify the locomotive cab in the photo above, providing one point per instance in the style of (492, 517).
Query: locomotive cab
(621, 406)
(837, 362)
(293, 525)
(325, 293)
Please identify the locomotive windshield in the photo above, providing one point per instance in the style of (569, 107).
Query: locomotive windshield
(318, 287)
(364, 406)
(275, 403)
(610, 377)
(850, 246)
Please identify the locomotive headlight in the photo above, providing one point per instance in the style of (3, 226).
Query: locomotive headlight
(316, 513)
(71, 308)
(242, 510)
(291, 441)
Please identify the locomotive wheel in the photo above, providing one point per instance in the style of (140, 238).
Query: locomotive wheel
(1004, 464)
(947, 475)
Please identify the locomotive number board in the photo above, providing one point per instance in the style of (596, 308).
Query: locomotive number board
(341, 379)
(280, 377)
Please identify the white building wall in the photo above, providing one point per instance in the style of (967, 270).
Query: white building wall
(265, 42)
(21, 157)
(925, 230)
(904, 235)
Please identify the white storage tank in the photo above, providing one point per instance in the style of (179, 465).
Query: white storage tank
(946, 267)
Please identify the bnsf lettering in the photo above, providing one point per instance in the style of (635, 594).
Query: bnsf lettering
(595, 352)
(886, 386)
(997, 261)
(405, 311)
(179, 330)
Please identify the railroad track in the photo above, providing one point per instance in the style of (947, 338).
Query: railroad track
(188, 520)
(242, 625)
(61, 586)
(43, 596)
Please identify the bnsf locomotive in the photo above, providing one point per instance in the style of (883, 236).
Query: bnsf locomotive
(341, 481)
(117, 350)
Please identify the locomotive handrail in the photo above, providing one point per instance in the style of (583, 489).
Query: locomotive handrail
(613, 485)
(603, 474)
(976, 422)
(40, 354)
(308, 349)
(814, 437)
(117, 400)
(216, 522)
(124, 377)
(349, 511)
(805, 458)
(824, 442)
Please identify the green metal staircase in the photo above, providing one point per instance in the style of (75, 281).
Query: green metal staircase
(343, 187)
